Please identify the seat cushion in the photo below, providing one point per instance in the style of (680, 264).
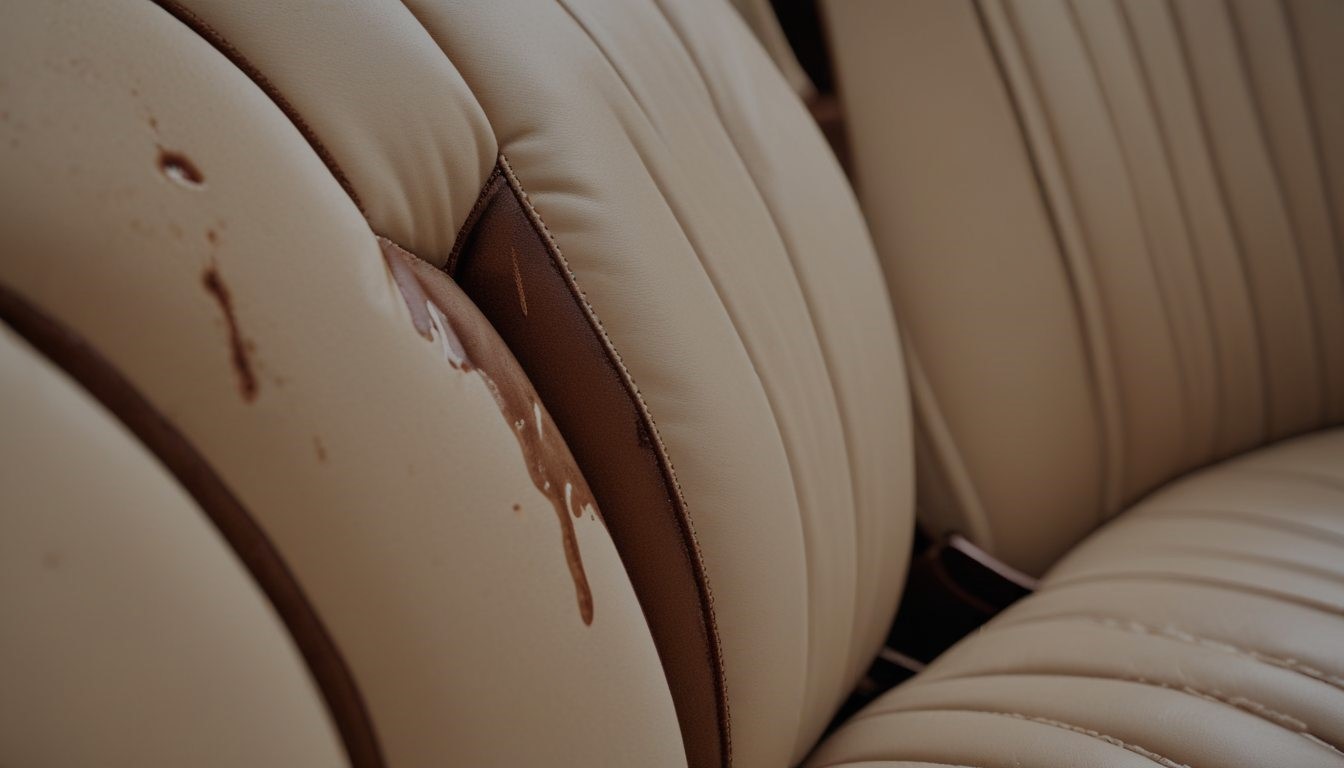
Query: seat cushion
(1203, 627)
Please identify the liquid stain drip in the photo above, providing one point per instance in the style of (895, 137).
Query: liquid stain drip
(439, 311)
(179, 168)
(239, 348)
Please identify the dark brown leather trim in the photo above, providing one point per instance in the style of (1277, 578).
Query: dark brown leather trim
(507, 262)
(87, 367)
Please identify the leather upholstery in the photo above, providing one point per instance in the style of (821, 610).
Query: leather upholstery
(258, 246)
(1128, 212)
(1203, 627)
(386, 479)
(702, 217)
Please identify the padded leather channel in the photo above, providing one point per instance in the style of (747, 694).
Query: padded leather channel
(506, 262)
(87, 367)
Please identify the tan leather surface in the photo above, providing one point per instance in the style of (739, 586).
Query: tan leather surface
(720, 248)
(123, 606)
(1113, 233)
(137, 196)
(1203, 627)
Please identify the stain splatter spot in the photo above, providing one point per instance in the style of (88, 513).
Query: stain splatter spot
(239, 347)
(179, 169)
(517, 507)
(320, 450)
(212, 237)
(153, 123)
(444, 315)
(52, 561)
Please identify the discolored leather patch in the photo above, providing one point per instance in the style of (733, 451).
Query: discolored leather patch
(446, 317)
(507, 263)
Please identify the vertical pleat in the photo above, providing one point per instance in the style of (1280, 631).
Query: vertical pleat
(1191, 154)
(1235, 331)
(1168, 247)
(1234, 119)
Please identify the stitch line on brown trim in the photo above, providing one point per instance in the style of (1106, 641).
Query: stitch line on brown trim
(690, 543)
(1241, 703)
(1165, 762)
(1180, 635)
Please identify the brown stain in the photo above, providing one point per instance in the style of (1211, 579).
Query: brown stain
(239, 348)
(179, 169)
(212, 237)
(444, 315)
(518, 280)
(320, 450)
(52, 561)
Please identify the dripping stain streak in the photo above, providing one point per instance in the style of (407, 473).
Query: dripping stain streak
(239, 347)
(439, 311)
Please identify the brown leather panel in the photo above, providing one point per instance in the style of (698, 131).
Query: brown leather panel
(506, 262)
(87, 367)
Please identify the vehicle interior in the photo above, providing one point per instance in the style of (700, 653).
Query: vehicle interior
(672, 383)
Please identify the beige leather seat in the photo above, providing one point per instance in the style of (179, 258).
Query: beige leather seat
(515, 383)
(1112, 232)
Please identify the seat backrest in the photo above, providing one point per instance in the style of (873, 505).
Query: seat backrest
(1113, 234)
(303, 237)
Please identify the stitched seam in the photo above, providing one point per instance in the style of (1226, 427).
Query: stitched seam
(1177, 634)
(896, 760)
(1250, 518)
(1241, 703)
(1113, 741)
(1078, 729)
(1215, 553)
(690, 540)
